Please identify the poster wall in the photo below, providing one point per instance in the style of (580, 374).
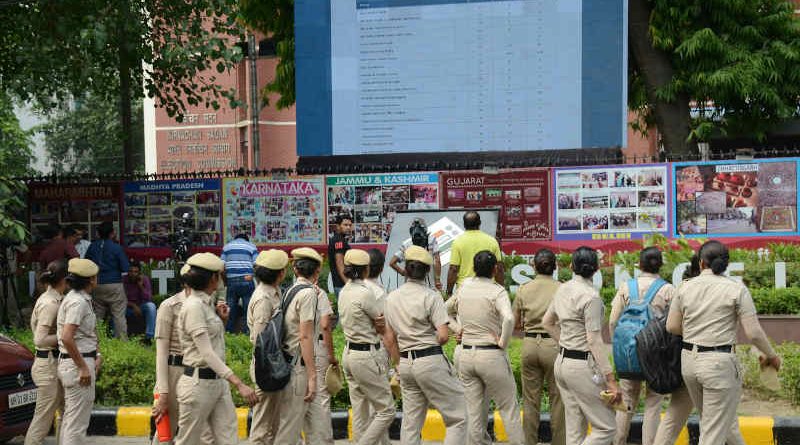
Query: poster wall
(82, 206)
(273, 211)
(616, 202)
(374, 200)
(154, 210)
(736, 198)
(522, 195)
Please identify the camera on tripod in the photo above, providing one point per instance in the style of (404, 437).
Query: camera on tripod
(419, 233)
(183, 238)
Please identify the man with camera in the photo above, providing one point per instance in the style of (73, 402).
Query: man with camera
(420, 237)
(109, 295)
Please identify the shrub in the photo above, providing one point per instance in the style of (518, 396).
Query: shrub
(777, 301)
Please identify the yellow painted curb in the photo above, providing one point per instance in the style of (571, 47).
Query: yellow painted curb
(134, 421)
(350, 424)
(241, 417)
(757, 430)
(433, 430)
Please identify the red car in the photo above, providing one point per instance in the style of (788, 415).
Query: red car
(17, 391)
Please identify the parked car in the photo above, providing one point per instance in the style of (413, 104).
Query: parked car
(17, 391)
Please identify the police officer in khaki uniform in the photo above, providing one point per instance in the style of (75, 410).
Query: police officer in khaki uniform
(706, 312)
(484, 310)
(376, 262)
(50, 394)
(582, 368)
(416, 320)
(539, 350)
(650, 262)
(365, 367)
(203, 391)
(77, 343)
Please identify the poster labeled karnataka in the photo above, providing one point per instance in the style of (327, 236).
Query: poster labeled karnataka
(736, 198)
(275, 211)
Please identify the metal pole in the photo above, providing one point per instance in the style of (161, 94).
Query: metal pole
(255, 141)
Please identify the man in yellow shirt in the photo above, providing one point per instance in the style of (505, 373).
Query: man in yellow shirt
(464, 249)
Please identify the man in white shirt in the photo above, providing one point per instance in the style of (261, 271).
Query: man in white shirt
(420, 237)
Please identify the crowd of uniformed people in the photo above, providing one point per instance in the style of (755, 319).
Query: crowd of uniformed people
(399, 337)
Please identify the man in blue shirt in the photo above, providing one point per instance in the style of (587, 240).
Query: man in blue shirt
(239, 256)
(110, 292)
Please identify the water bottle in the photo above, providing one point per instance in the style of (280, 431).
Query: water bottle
(163, 428)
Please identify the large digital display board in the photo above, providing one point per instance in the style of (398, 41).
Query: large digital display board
(415, 76)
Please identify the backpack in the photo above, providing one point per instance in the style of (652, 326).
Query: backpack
(660, 356)
(635, 317)
(272, 369)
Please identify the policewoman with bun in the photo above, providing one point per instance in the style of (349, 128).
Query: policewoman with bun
(582, 369)
(203, 391)
(706, 312)
(77, 342)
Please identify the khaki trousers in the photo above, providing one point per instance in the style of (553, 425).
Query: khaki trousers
(111, 297)
(203, 404)
(49, 398)
(292, 407)
(631, 389)
(714, 382)
(173, 409)
(266, 414)
(367, 374)
(78, 402)
(680, 406)
(582, 403)
(317, 426)
(431, 380)
(487, 439)
(486, 375)
(538, 358)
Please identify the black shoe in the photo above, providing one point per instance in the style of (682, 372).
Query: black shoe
(147, 341)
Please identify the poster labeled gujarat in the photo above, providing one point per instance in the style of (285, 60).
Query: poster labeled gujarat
(374, 200)
(155, 210)
(610, 202)
(734, 198)
(522, 196)
(275, 211)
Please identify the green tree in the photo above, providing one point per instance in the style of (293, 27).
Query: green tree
(16, 158)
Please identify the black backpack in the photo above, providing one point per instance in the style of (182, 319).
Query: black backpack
(272, 369)
(660, 356)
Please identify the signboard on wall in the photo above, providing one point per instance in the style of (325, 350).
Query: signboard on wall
(275, 211)
(731, 198)
(522, 195)
(616, 202)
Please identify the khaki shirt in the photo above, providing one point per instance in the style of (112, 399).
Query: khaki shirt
(533, 299)
(712, 306)
(644, 281)
(302, 309)
(167, 322)
(377, 289)
(579, 309)
(323, 308)
(197, 317)
(358, 306)
(263, 303)
(76, 308)
(45, 313)
(414, 311)
(483, 307)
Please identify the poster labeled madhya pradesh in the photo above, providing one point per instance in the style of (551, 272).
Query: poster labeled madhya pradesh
(275, 211)
(155, 210)
(736, 198)
(374, 200)
(522, 195)
(610, 202)
(82, 206)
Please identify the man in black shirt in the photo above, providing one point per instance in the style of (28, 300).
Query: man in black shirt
(337, 247)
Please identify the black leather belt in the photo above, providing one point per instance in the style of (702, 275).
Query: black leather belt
(480, 346)
(419, 353)
(203, 373)
(723, 348)
(45, 354)
(290, 359)
(175, 360)
(573, 354)
(92, 354)
(363, 346)
(537, 334)
(320, 337)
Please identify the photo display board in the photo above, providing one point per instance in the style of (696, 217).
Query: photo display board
(731, 198)
(155, 210)
(82, 206)
(374, 200)
(523, 198)
(617, 202)
(275, 211)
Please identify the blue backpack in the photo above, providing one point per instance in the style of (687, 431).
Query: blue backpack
(635, 317)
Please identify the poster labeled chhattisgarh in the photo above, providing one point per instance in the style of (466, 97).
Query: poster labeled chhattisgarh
(373, 200)
(81, 206)
(275, 211)
(736, 198)
(155, 210)
(615, 202)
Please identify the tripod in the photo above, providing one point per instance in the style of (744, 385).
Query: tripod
(8, 289)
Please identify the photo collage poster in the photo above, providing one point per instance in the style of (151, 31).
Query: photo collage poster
(274, 211)
(374, 200)
(155, 210)
(83, 206)
(616, 202)
(736, 198)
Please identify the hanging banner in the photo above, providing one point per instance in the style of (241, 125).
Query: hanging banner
(274, 211)
(522, 196)
(373, 201)
(731, 198)
(155, 210)
(610, 203)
